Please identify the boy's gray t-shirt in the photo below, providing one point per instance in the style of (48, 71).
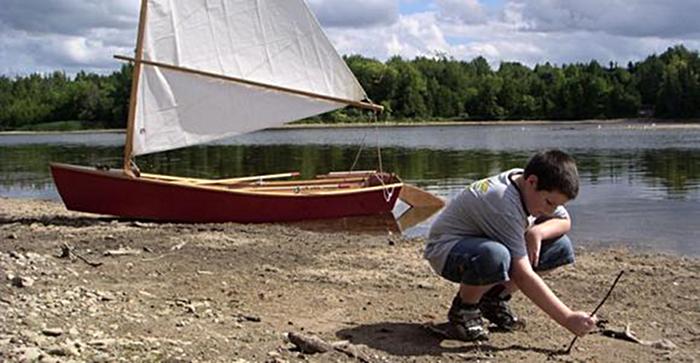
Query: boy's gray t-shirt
(490, 208)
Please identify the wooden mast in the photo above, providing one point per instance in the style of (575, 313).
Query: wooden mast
(136, 75)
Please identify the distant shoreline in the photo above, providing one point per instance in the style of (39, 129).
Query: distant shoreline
(660, 123)
(86, 131)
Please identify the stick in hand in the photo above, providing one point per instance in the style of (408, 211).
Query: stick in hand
(571, 345)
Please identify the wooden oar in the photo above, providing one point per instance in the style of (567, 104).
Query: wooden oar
(345, 174)
(171, 178)
(249, 178)
(305, 182)
(419, 198)
(220, 181)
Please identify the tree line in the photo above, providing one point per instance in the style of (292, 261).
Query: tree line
(439, 88)
(91, 100)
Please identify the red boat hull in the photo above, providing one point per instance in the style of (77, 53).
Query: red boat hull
(111, 192)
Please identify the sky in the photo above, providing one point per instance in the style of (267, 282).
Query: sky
(73, 35)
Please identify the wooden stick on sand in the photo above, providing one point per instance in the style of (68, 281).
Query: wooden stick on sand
(571, 345)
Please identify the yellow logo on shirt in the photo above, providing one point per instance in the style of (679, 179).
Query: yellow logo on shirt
(480, 185)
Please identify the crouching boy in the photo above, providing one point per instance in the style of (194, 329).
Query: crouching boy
(497, 235)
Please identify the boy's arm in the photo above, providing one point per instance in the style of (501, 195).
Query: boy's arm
(551, 228)
(577, 322)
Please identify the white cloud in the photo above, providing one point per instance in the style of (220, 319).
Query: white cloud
(68, 17)
(355, 13)
(559, 31)
(69, 35)
(633, 18)
(47, 53)
(463, 11)
(411, 36)
(46, 35)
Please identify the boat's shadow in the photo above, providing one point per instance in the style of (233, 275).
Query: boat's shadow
(413, 339)
(376, 224)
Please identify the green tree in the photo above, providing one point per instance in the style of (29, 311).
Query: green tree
(407, 100)
(422, 88)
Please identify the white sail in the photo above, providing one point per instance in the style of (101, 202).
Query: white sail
(274, 42)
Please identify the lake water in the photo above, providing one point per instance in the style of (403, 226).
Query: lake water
(640, 182)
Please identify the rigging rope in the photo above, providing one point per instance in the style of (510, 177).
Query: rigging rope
(379, 148)
(357, 156)
(388, 192)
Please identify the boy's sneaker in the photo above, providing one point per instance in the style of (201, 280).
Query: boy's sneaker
(465, 321)
(496, 310)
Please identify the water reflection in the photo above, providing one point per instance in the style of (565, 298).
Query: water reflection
(664, 173)
(639, 186)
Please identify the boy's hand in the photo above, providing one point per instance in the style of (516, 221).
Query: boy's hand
(534, 244)
(580, 323)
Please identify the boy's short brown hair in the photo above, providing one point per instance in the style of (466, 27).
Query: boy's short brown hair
(555, 171)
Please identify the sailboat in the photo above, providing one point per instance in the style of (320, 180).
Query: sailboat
(206, 70)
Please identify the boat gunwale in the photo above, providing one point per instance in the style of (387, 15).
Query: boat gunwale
(119, 174)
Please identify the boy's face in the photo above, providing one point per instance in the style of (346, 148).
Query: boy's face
(541, 202)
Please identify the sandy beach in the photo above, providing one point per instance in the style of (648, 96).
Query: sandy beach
(78, 287)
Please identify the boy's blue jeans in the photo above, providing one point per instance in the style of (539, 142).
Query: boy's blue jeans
(480, 261)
